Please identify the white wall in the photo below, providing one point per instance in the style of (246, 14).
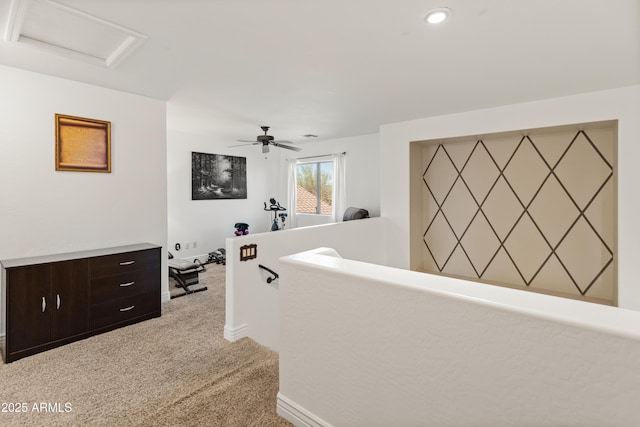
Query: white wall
(368, 345)
(43, 211)
(619, 104)
(362, 165)
(210, 222)
(252, 307)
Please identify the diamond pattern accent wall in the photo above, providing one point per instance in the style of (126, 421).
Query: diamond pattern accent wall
(535, 211)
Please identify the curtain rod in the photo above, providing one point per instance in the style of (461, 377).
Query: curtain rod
(322, 155)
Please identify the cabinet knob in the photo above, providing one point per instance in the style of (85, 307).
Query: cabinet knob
(58, 301)
(124, 285)
(127, 308)
(127, 262)
(44, 304)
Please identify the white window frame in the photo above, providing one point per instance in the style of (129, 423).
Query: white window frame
(317, 162)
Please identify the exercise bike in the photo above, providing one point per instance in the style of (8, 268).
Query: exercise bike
(276, 209)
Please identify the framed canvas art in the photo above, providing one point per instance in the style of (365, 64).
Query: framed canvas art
(217, 176)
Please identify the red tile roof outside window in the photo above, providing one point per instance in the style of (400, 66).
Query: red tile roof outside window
(306, 202)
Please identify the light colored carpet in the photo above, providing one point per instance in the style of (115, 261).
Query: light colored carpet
(169, 371)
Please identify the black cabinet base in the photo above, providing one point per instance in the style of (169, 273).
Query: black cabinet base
(55, 300)
(17, 355)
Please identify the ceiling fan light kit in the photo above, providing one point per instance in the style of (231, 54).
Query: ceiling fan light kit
(266, 140)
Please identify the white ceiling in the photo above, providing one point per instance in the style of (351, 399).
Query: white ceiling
(340, 68)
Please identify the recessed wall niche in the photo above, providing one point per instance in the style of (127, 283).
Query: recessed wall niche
(534, 209)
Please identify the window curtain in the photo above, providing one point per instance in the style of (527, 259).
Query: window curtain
(339, 186)
(291, 192)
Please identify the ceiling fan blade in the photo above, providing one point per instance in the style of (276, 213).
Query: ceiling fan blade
(288, 147)
(266, 140)
(247, 140)
(242, 145)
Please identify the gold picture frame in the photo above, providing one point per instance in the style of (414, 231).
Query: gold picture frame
(82, 145)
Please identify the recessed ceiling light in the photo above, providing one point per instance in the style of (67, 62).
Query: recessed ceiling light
(437, 15)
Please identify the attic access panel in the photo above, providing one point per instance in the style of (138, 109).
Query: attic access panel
(70, 32)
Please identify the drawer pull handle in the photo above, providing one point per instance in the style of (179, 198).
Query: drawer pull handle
(127, 308)
(127, 262)
(58, 301)
(44, 304)
(124, 285)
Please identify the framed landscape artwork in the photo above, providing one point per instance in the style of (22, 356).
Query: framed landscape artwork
(217, 176)
(82, 145)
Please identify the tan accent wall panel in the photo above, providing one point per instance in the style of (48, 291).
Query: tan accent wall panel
(534, 209)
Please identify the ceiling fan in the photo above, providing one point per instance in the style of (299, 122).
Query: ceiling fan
(267, 140)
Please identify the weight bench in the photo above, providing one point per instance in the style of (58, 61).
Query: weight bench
(185, 274)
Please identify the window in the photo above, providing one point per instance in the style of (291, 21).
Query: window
(314, 188)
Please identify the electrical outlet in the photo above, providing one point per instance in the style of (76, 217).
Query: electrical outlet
(188, 245)
(195, 245)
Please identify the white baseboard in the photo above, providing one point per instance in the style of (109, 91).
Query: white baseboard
(166, 296)
(297, 415)
(234, 334)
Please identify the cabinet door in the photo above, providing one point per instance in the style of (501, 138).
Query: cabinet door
(70, 298)
(28, 306)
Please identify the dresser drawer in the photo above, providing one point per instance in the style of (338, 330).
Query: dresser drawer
(122, 310)
(124, 285)
(123, 262)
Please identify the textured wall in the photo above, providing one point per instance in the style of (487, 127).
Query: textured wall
(45, 211)
(368, 345)
(621, 104)
(362, 166)
(210, 222)
(252, 304)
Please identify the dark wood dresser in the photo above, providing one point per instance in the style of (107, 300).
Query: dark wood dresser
(49, 301)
